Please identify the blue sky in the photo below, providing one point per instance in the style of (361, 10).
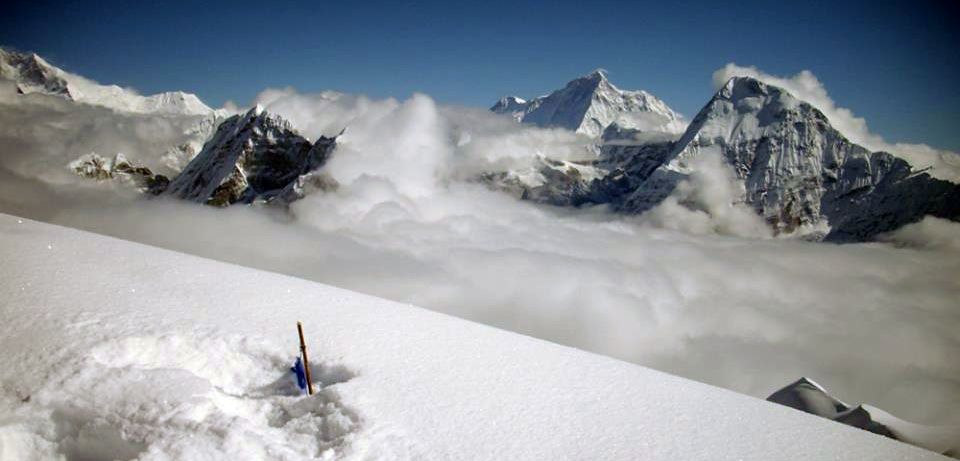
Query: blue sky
(894, 63)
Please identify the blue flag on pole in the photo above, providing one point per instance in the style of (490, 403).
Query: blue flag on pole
(300, 373)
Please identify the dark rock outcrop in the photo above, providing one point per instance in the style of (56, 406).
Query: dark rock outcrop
(254, 156)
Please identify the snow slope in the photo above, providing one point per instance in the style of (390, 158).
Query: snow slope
(116, 349)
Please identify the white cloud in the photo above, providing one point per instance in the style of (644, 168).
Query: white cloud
(707, 203)
(806, 86)
(932, 234)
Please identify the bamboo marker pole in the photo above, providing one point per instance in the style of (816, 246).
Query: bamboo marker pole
(306, 362)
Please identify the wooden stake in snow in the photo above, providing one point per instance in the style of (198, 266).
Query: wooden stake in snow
(306, 362)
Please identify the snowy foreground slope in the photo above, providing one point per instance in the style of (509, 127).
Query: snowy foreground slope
(111, 349)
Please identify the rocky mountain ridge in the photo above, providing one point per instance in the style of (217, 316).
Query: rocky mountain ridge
(118, 168)
(33, 74)
(807, 396)
(255, 156)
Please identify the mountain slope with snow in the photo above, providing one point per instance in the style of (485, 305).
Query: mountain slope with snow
(33, 74)
(251, 156)
(154, 355)
(786, 162)
(796, 170)
(589, 105)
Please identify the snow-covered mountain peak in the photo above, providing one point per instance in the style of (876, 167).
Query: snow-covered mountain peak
(794, 169)
(34, 60)
(589, 104)
(746, 109)
(755, 95)
(511, 105)
(509, 100)
(256, 155)
(261, 119)
(33, 74)
(598, 74)
(595, 78)
(743, 86)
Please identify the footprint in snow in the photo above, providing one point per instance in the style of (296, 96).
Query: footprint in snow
(194, 396)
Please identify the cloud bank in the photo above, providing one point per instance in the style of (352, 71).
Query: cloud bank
(875, 322)
(707, 204)
(806, 86)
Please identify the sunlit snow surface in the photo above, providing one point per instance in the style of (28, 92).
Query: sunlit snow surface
(115, 349)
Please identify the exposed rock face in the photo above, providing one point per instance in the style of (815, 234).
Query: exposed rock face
(32, 74)
(251, 157)
(628, 161)
(548, 181)
(93, 166)
(306, 184)
(589, 105)
(796, 171)
(808, 396)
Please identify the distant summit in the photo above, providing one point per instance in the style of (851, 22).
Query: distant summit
(798, 172)
(33, 74)
(791, 166)
(590, 104)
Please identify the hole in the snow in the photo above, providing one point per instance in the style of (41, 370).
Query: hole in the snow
(328, 375)
(93, 440)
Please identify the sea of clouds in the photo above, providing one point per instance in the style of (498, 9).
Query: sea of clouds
(704, 292)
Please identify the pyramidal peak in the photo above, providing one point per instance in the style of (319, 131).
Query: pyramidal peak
(589, 104)
(598, 74)
(253, 156)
